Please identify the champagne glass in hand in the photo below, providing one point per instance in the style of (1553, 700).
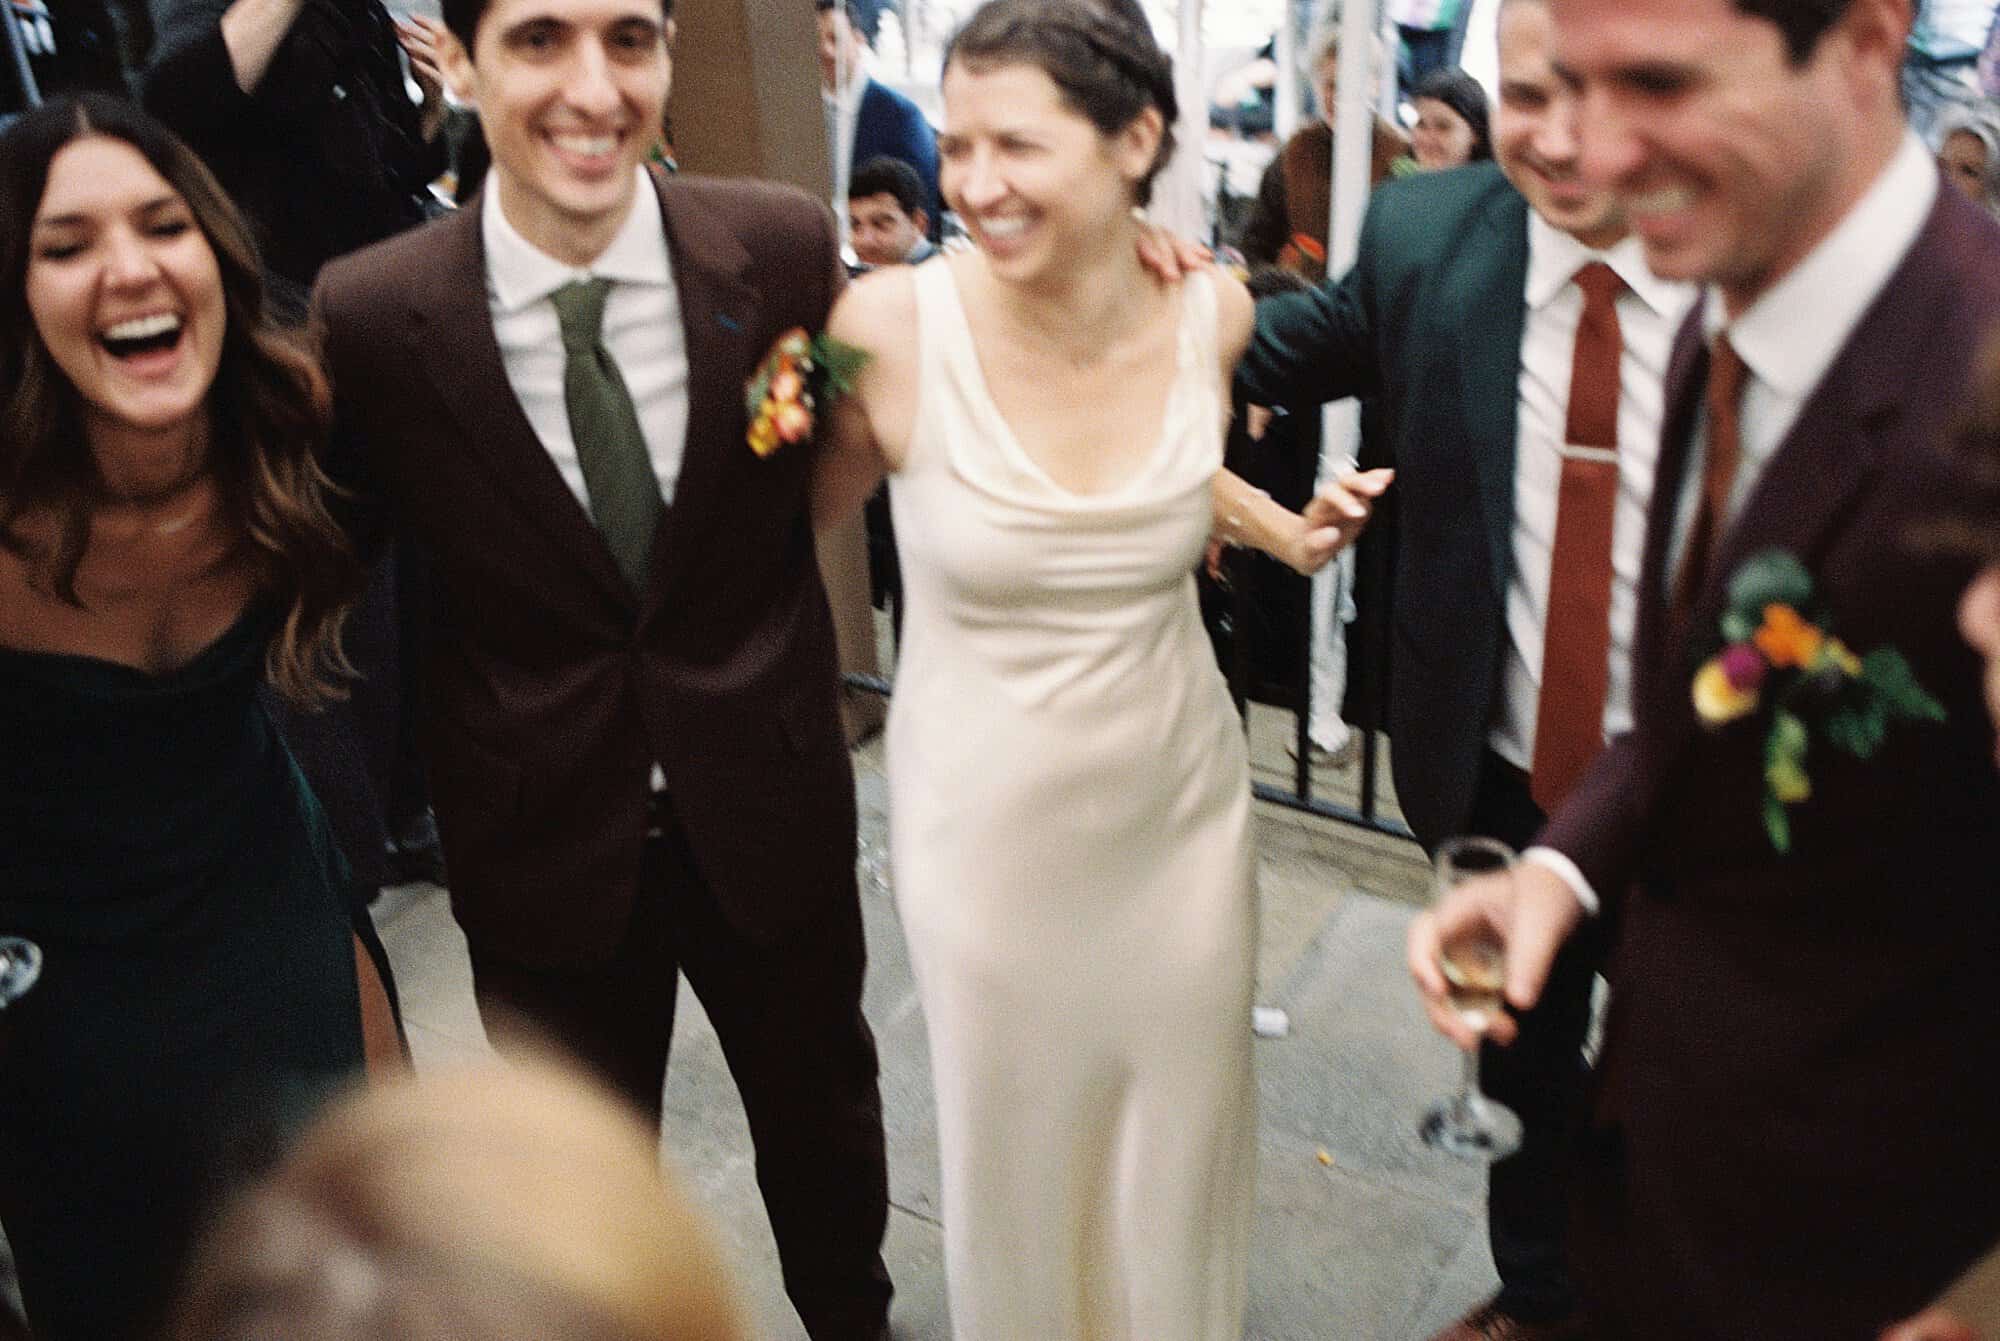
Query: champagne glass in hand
(20, 965)
(1474, 966)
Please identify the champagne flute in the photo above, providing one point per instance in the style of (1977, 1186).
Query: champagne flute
(1474, 965)
(20, 965)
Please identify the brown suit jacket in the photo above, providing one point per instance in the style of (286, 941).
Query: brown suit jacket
(552, 688)
(1788, 1136)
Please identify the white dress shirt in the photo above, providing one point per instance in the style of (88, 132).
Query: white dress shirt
(1650, 311)
(642, 329)
(1791, 335)
(1787, 340)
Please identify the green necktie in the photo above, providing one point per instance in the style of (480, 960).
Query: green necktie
(617, 472)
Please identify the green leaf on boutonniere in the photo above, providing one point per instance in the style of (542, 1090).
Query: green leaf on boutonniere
(1785, 780)
(838, 364)
(1886, 669)
(1769, 577)
(1777, 824)
(1858, 728)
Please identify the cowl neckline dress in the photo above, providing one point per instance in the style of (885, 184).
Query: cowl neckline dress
(1069, 829)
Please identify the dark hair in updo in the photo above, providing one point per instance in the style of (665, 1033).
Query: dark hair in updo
(1100, 54)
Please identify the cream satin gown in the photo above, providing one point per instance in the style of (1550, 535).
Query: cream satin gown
(1070, 837)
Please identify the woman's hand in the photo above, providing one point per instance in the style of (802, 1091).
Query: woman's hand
(1305, 541)
(1305, 547)
(1348, 502)
(1168, 255)
(420, 38)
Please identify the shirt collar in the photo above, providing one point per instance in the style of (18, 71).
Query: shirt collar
(1790, 336)
(1554, 257)
(520, 274)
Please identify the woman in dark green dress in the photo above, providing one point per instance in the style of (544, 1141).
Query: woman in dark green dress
(165, 546)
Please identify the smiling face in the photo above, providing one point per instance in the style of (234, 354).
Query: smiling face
(883, 232)
(125, 293)
(1441, 138)
(570, 94)
(1037, 184)
(1732, 160)
(1535, 131)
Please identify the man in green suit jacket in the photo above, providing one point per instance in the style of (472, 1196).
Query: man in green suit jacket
(1462, 317)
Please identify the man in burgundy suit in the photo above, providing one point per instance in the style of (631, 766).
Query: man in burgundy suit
(1786, 1134)
(637, 761)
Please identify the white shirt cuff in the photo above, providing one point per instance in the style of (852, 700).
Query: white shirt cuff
(1550, 859)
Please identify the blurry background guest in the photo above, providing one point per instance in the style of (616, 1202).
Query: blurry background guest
(301, 109)
(1288, 225)
(165, 545)
(1451, 128)
(887, 219)
(1432, 33)
(1968, 149)
(865, 118)
(71, 45)
(503, 1203)
(888, 224)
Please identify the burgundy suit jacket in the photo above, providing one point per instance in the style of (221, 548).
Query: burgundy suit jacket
(552, 688)
(1790, 1133)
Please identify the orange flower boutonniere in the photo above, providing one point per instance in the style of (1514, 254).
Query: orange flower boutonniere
(1775, 657)
(800, 374)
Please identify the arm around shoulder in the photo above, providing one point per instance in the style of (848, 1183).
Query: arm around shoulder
(866, 432)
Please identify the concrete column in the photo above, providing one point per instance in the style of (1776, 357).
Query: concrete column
(746, 103)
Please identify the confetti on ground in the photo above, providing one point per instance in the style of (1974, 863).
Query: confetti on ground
(1325, 1157)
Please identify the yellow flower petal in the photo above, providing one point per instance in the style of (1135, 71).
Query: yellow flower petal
(1716, 701)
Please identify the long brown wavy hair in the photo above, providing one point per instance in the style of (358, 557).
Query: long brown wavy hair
(270, 408)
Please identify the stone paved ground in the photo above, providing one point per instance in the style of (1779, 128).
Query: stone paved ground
(1361, 1232)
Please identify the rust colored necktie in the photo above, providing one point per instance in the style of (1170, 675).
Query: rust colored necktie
(1718, 473)
(1576, 635)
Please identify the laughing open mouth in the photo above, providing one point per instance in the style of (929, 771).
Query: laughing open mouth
(143, 335)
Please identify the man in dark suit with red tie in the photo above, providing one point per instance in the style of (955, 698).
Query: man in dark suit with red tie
(1515, 342)
(637, 759)
(1793, 844)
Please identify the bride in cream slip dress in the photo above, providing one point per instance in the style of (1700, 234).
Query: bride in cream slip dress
(1069, 793)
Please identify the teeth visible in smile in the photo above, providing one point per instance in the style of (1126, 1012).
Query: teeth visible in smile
(1003, 228)
(586, 144)
(144, 328)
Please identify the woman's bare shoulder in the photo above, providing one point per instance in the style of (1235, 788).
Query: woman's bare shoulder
(1235, 315)
(878, 312)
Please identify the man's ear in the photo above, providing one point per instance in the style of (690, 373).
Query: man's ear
(455, 64)
(669, 30)
(921, 219)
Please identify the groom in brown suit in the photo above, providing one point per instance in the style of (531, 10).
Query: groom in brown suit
(1788, 1132)
(636, 755)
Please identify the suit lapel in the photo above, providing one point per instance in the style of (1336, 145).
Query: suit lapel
(1492, 304)
(1656, 649)
(721, 314)
(1818, 473)
(451, 338)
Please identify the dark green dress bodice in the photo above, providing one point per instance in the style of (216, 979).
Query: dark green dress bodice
(198, 990)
